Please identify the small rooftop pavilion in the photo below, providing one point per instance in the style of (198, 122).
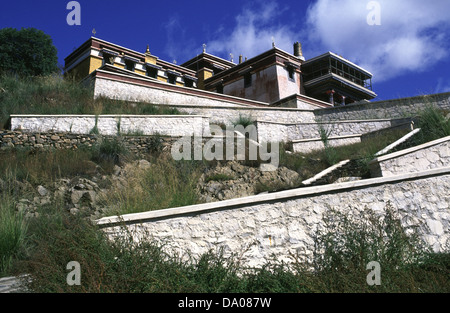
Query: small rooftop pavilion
(331, 78)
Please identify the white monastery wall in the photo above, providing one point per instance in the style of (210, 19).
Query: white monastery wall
(433, 154)
(168, 125)
(284, 223)
(273, 131)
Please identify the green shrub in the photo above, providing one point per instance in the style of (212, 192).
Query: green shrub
(156, 144)
(94, 130)
(433, 125)
(331, 154)
(13, 229)
(27, 52)
(118, 265)
(347, 244)
(109, 149)
(244, 121)
(343, 247)
(218, 177)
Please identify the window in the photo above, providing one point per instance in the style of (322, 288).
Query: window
(152, 72)
(291, 73)
(171, 78)
(129, 65)
(219, 88)
(190, 81)
(108, 58)
(247, 80)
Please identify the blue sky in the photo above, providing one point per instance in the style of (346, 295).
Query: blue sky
(408, 52)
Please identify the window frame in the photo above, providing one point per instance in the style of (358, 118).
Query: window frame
(291, 73)
(171, 77)
(127, 61)
(248, 79)
(153, 70)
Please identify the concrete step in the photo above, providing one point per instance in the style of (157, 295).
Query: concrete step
(12, 284)
(324, 173)
(322, 177)
(398, 142)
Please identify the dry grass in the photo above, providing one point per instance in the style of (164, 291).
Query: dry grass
(165, 184)
(55, 95)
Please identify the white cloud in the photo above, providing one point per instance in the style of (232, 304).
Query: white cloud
(253, 32)
(178, 45)
(412, 35)
(443, 85)
(173, 29)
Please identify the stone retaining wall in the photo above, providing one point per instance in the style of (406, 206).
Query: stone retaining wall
(228, 115)
(433, 154)
(282, 224)
(271, 131)
(167, 125)
(18, 139)
(139, 145)
(397, 108)
(309, 145)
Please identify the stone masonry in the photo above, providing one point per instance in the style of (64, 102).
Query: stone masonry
(168, 125)
(433, 154)
(283, 224)
(395, 108)
(138, 145)
(272, 131)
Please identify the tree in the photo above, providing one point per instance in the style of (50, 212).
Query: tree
(27, 52)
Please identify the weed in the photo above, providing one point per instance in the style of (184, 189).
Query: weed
(13, 229)
(94, 130)
(433, 125)
(244, 121)
(331, 154)
(135, 133)
(156, 144)
(218, 177)
(167, 183)
(109, 149)
(44, 167)
(342, 249)
(347, 244)
(50, 95)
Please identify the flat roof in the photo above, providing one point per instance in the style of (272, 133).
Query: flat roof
(332, 76)
(334, 55)
(103, 41)
(245, 65)
(206, 56)
(141, 54)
